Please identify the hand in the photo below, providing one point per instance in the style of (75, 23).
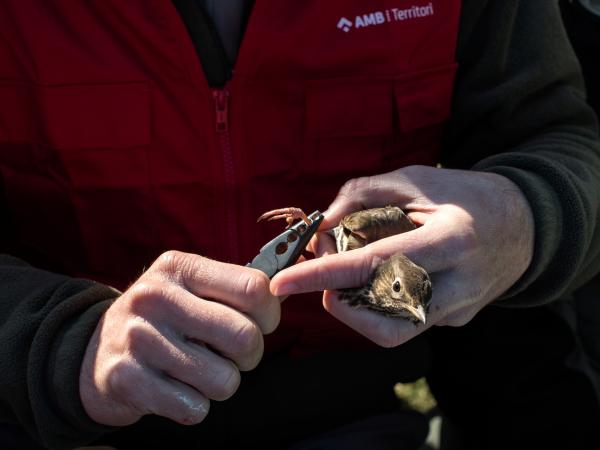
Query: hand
(475, 238)
(176, 339)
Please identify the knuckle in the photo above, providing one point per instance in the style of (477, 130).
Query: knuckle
(145, 289)
(256, 288)
(246, 338)
(123, 379)
(147, 294)
(169, 260)
(247, 345)
(138, 338)
(348, 187)
(180, 266)
(198, 268)
(227, 384)
(354, 186)
(259, 303)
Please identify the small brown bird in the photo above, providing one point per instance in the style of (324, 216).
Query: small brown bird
(363, 227)
(398, 287)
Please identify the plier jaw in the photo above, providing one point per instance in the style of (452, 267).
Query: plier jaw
(285, 249)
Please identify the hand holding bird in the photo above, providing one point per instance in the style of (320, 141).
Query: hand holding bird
(397, 287)
(474, 235)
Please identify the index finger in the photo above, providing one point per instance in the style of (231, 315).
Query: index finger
(337, 271)
(353, 268)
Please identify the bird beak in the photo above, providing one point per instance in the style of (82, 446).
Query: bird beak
(419, 314)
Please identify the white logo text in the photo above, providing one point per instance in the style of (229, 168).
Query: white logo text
(387, 16)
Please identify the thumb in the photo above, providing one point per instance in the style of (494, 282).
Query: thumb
(353, 196)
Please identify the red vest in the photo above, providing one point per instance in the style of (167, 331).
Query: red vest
(114, 149)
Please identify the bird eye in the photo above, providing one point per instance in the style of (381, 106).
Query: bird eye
(396, 286)
(347, 231)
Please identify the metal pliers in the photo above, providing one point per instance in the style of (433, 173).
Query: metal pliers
(285, 249)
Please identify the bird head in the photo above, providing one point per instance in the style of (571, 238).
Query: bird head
(400, 288)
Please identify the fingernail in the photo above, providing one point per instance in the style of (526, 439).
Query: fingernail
(198, 408)
(286, 289)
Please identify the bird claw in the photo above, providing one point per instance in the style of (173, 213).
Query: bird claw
(290, 215)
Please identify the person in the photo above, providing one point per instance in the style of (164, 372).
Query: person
(125, 135)
(582, 22)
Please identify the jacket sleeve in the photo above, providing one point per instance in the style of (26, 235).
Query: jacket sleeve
(519, 111)
(46, 321)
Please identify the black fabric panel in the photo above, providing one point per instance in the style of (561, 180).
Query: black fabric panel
(206, 41)
(506, 381)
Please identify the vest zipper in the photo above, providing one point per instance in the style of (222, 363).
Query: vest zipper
(221, 98)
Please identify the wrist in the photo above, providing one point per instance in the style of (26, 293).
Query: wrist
(64, 366)
(537, 285)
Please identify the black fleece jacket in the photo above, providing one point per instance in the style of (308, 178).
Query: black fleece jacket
(519, 111)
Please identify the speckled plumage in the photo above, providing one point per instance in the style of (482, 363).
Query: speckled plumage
(397, 287)
(363, 227)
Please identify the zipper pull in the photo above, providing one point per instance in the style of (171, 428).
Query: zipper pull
(221, 97)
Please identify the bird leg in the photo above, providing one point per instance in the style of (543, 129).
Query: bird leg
(289, 214)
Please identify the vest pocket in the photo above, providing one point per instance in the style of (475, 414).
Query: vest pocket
(368, 125)
(423, 102)
(348, 124)
(423, 98)
(349, 108)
